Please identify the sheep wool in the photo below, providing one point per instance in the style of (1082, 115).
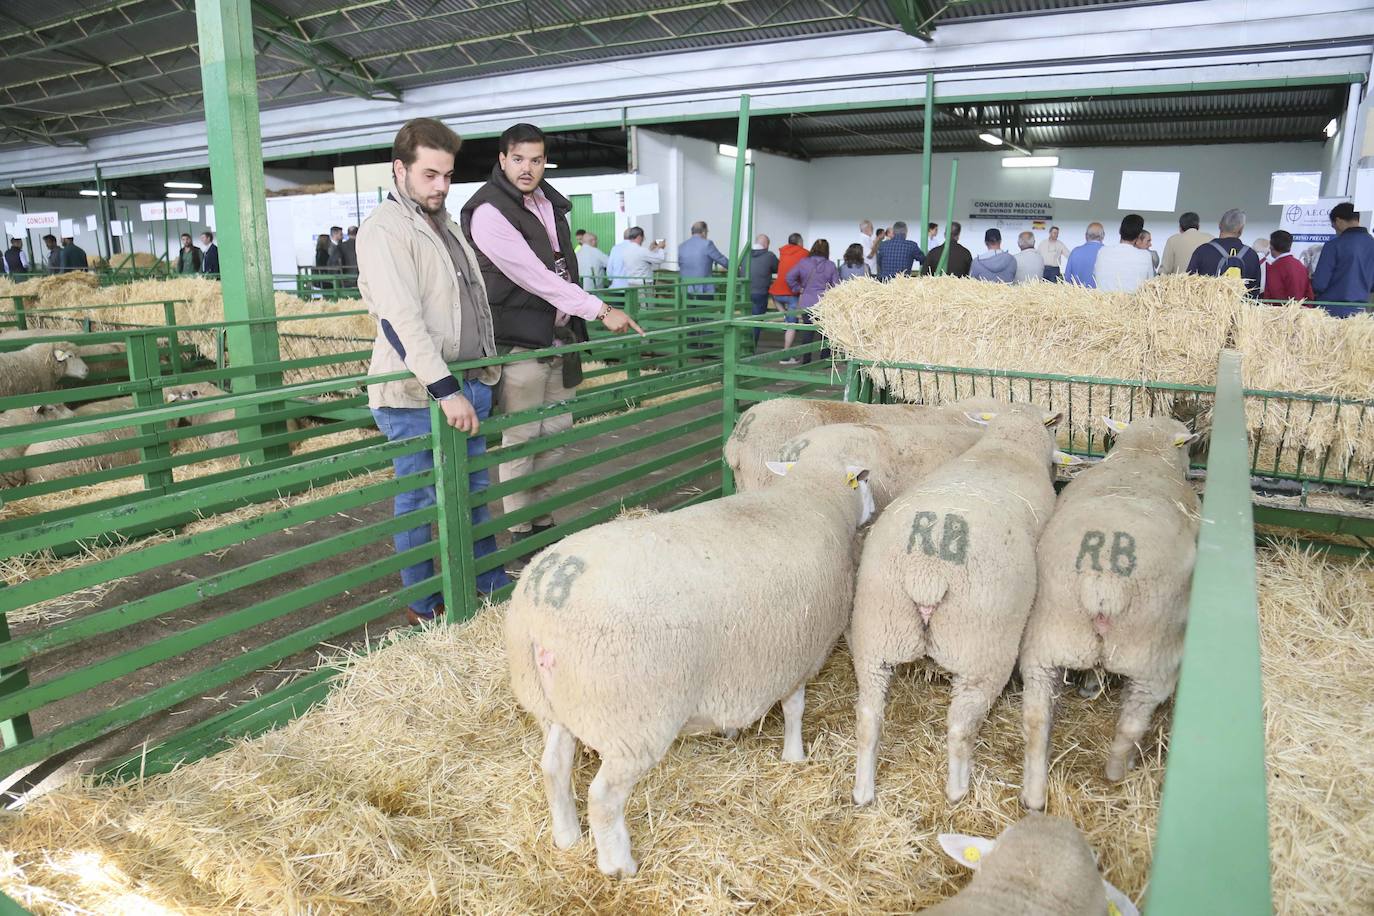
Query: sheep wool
(197, 390)
(1040, 866)
(948, 572)
(1115, 569)
(39, 367)
(628, 634)
(72, 467)
(23, 416)
(764, 429)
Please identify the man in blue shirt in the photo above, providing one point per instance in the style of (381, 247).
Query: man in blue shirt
(1083, 259)
(1345, 270)
(897, 253)
(695, 257)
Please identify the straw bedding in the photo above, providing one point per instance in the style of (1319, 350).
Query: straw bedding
(375, 804)
(1170, 330)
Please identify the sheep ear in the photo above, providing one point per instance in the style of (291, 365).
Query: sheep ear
(1180, 441)
(980, 418)
(967, 850)
(1116, 426)
(1118, 904)
(1064, 459)
(1052, 419)
(60, 355)
(855, 474)
(780, 467)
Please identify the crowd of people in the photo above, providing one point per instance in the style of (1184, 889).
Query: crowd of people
(70, 256)
(335, 252)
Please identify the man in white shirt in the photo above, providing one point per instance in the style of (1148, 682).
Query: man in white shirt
(1030, 267)
(1053, 252)
(1122, 268)
(630, 263)
(591, 263)
(865, 243)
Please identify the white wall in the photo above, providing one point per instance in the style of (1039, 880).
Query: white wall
(142, 236)
(1212, 180)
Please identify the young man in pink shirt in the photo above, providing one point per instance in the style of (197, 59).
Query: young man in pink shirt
(518, 225)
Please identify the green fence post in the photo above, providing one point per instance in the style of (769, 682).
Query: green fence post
(21, 321)
(731, 356)
(13, 679)
(927, 160)
(457, 566)
(169, 312)
(1212, 846)
(851, 380)
(635, 350)
(145, 367)
(949, 219)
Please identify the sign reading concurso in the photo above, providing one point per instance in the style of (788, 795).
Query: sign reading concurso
(1012, 209)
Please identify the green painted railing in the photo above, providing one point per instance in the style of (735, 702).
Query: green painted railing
(1212, 844)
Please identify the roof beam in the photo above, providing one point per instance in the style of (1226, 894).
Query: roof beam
(35, 132)
(335, 70)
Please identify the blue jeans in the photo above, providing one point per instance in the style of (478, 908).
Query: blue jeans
(789, 306)
(1343, 311)
(760, 307)
(403, 423)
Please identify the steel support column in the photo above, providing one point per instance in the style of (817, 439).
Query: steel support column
(103, 203)
(230, 86)
(727, 477)
(927, 160)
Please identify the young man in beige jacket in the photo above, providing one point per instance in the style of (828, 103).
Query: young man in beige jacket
(419, 279)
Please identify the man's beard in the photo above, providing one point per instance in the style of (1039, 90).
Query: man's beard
(421, 202)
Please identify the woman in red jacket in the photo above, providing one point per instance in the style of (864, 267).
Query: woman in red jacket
(1285, 277)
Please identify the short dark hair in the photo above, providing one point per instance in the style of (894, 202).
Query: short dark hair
(634, 232)
(1053, 228)
(954, 230)
(352, 230)
(930, 226)
(1345, 211)
(992, 235)
(1189, 220)
(426, 132)
(521, 133)
(580, 232)
(1281, 241)
(50, 238)
(1131, 226)
(207, 234)
(794, 239)
(699, 227)
(334, 229)
(820, 248)
(186, 235)
(854, 255)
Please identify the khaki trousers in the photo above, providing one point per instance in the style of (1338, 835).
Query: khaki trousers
(524, 385)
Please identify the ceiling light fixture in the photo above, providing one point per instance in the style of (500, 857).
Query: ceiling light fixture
(730, 152)
(1030, 162)
(92, 192)
(185, 185)
(179, 195)
(1330, 129)
(991, 139)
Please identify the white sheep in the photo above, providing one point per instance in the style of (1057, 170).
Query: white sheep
(1115, 570)
(897, 455)
(626, 635)
(85, 351)
(39, 367)
(23, 416)
(948, 572)
(763, 430)
(1039, 866)
(194, 391)
(74, 466)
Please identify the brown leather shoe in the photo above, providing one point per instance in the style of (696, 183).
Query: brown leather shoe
(416, 620)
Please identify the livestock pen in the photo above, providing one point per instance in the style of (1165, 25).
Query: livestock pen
(209, 584)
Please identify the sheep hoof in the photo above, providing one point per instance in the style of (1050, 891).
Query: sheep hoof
(793, 755)
(863, 796)
(625, 868)
(567, 837)
(1032, 802)
(729, 734)
(1116, 770)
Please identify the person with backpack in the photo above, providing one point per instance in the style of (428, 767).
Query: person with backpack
(1227, 255)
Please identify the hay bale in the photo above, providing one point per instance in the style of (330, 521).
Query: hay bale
(1169, 330)
(415, 788)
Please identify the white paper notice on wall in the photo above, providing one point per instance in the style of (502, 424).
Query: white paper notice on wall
(150, 212)
(1072, 184)
(1364, 190)
(605, 201)
(40, 220)
(68, 229)
(176, 209)
(90, 222)
(1294, 188)
(193, 212)
(12, 231)
(642, 200)
(210, 216)
(116, 228)
(1148, 191)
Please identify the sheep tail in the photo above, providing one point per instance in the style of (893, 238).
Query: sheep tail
(1104, 598)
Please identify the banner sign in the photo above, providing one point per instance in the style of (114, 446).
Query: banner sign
(174, 209)
(1012, 209)
(41, 220)
(1310, 225)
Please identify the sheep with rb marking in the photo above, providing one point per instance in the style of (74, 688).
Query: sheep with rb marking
(1115, 569)
(948, 571)
(628, 634)
(763, 430)
(39, 367)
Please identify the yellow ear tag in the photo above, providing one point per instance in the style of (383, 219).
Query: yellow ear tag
(1180, 440)
(853, 481)
(985, 415)
(1113, 909)
(972, 854)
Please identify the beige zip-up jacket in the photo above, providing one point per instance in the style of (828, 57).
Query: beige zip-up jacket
(409, 285)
